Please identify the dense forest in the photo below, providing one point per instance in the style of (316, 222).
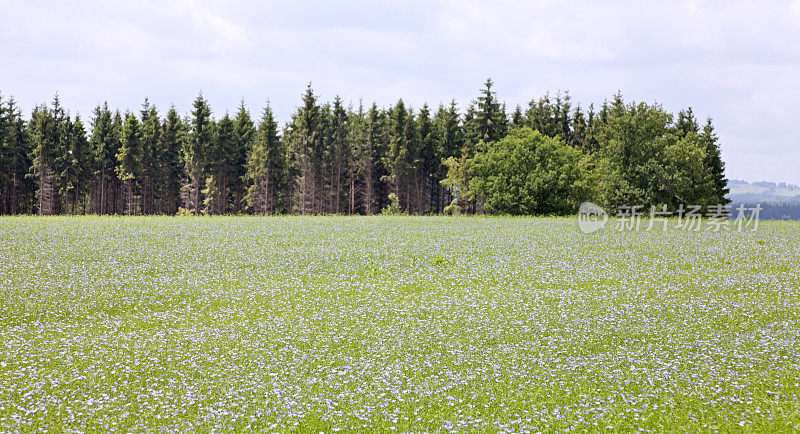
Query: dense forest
(330, 157)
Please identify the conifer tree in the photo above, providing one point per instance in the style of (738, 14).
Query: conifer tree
(171, 167)
(244, 132)
(489, 117)
(370, 165)
(714, 164)
(306, 136)
(78, 167)
(686, 123)
(449, 142)
(339, 154)
(104, 150)
(517, 118)
(129, 157)
(42, 137)
(150, 155)
(395, 160)
(194, 153)
(220, 160)
(264, 165)
(426, 162)
(17, 191)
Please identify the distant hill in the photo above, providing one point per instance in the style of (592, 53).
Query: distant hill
(778, 200)
(763, 192)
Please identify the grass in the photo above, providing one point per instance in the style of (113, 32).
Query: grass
(395, 323)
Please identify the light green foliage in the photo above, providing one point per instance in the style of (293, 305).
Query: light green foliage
(526, 173)
(375, 324)
(393, 208)
(213, 203)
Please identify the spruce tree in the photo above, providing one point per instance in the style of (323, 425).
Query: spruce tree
(489, 118)
(61, 161)
(264, 165)
(200, 137)
(244, 132)
(356, 137)
(339, 154)
(686, 123)
(370, 159)
(104, 150)
(517, 118)
(78, 170)
(150, 156)
(714, 164)
(19, 193)
(171, 167)
(426, 162)
(220, 160)
(449, 142)
(395, 160)
(306, 137)
(43, 154)
(129, 158)
(5, 160)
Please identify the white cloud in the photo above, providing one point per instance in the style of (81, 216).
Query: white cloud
(735, 61)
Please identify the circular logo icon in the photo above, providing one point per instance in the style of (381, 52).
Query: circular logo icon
(591, 218)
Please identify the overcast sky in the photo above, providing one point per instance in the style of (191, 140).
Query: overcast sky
(737, 62)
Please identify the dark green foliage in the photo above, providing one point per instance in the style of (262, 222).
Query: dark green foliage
(200, 139)
(17, 191)
(150, 156)
(265, 166)
(244, 132)
(105, 145)
(129, 169)
(334, 159)
(77, 167)
(170, 162)
(714, 165)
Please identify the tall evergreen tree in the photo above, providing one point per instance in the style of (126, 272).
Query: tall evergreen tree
(17, 191)
(449, 142)
(61, 161)
(370, 155)
(686, 123)
(220, 157)
(264, 165)
(339, 152)
(489, 117)
(200, 137)
(78, 168)
(171, 166)
(306, 136)
(714, 165)
(129, 158)
(43, 156)
(244, 133)
(150, 156)
(104, 149)
(517, 118)
(396, 159)
(426, 162)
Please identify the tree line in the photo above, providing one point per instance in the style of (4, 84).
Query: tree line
(338, 159)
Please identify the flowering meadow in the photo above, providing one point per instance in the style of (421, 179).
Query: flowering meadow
(407, 324)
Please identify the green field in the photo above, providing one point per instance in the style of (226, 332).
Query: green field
(413, 324)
